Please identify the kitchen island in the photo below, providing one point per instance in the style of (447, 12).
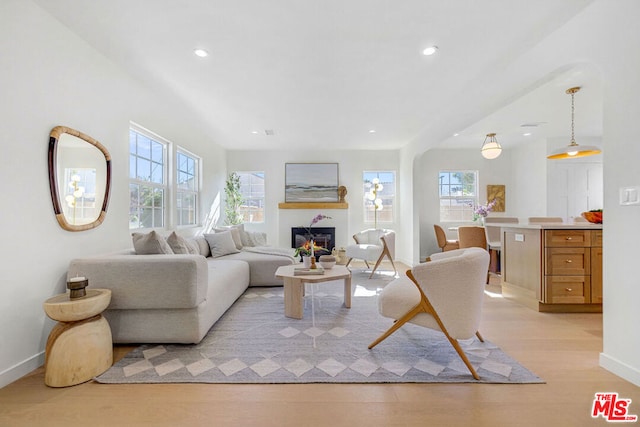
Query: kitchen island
(553, 267)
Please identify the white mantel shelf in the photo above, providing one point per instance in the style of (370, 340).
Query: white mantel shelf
(314, 205)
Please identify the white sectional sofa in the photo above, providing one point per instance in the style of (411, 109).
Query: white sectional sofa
(176, 298)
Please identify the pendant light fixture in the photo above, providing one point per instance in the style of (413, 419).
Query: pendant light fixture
(490, 147)
(573, 149)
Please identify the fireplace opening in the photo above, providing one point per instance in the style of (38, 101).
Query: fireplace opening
(324, 237)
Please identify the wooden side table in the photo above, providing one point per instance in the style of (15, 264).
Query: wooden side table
(79, 345)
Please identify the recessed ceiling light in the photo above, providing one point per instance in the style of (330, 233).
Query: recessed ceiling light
(201, 53)
(526, 134)
(430, 50)
(255, 132)
(372, 131)
(456, 134)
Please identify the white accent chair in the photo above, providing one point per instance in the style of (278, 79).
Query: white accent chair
(373, 245)
(444, 294)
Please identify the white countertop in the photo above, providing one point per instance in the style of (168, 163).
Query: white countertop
(549, 226)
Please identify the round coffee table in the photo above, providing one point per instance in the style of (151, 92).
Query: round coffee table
(79, 345)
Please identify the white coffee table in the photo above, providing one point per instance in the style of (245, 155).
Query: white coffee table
(294, 286)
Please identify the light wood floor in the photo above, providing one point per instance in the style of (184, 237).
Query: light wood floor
(563, 349)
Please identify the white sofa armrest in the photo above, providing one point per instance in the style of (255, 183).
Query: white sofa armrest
(146, 281)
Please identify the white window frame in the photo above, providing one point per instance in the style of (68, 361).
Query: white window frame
(367, 204)
(140, 182)
(466, 203)
(194, 192)
(261, 200)
(169, 187)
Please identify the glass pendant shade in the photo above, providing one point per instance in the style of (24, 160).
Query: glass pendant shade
(491, 149)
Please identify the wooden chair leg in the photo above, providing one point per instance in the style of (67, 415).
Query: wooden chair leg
(397, 324)
(376, 266)
(348, 262)
(463, 356)
(479, 336)
(384, 253)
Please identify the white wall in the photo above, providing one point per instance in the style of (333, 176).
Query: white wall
(351, 164)
(50, 77)
(529, 177)
(490, 172)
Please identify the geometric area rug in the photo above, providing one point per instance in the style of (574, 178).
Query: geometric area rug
(253, 342)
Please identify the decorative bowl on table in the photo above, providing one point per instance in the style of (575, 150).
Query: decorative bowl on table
(327, 261)
(594, 217)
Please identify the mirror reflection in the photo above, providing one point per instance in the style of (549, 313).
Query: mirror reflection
(79, 173)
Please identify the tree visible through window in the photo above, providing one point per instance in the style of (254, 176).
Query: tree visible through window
(252, 190)
(386, 195)
(458, 191)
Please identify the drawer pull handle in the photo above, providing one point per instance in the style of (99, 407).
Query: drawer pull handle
(569, 238)
(568, 261)
(568, 289)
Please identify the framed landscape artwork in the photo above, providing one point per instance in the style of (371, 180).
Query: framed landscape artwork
(311, 182)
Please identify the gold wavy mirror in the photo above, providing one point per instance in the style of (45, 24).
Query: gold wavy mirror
(79, 179)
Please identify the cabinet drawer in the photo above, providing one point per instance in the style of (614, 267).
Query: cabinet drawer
(567, 238)
(596, 238)
(568, 262)
(567, 289)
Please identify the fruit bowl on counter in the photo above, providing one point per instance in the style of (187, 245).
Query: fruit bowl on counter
(594, 216)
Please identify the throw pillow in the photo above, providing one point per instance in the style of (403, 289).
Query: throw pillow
(257, 238)
(180, 245)
(235, 233)
(244, 237)
(221, 244)
(150, 244)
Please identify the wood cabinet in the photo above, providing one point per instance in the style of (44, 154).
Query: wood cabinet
(553, 269)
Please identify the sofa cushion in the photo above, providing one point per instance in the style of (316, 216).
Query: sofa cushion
(150, 244)
(180, 245)
(262, 266)
(221, 244)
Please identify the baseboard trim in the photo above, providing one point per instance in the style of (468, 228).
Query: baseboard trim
(21, 369)
(624, 371)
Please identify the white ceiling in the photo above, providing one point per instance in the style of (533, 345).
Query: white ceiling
(327, 72)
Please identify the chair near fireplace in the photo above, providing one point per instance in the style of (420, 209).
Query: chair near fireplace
(373, 245)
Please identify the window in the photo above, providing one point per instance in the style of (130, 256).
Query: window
(147, 180)
(386, 196)
(252, 190)
(458, 195)
(187, 188)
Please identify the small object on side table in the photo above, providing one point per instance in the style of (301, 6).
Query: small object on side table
(76, 286)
